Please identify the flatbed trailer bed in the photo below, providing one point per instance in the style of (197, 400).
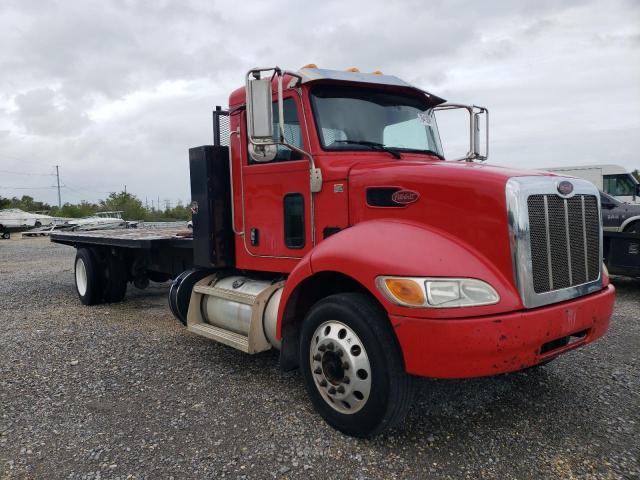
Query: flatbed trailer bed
(113, 258)
(128, 238)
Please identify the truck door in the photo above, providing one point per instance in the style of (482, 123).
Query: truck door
(276, 195)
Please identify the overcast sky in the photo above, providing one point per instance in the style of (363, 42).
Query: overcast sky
(115, 92)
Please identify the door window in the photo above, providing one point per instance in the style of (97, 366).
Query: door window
(292, 131)
(294, 220)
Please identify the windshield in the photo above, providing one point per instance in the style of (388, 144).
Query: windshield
(362, 119)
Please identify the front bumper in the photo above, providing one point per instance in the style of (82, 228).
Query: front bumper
(482, 346)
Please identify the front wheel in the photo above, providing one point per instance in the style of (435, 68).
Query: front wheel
(352, 365)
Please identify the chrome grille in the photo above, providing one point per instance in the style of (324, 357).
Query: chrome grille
(556, 241)
(564, 238)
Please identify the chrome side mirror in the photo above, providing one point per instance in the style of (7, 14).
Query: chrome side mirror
(262, 146)
(476, 116)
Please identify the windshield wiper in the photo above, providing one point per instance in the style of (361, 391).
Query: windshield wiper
(425, 151)
(372, 145)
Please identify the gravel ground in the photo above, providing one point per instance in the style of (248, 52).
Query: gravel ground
(123, 391)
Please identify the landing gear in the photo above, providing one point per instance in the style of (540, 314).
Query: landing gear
(352, 365)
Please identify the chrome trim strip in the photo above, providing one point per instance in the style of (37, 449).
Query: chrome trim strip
(566, 230)
(518, 190)
(546, 230)
(584, 240)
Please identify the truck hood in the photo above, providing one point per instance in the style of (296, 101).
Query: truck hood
(465, 200)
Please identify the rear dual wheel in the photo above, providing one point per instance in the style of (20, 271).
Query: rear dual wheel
(99, 279)
(352, 365)
(87, 277)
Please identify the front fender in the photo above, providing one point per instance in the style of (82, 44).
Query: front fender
(390, 247)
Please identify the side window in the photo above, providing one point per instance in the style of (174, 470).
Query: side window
(619, 185)
(292, 131)
(294, 220)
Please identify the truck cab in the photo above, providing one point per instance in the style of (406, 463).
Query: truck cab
(329, 225)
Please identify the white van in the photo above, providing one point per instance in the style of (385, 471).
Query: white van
(612, 179)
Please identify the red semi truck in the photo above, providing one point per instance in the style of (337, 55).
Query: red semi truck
(327, 224)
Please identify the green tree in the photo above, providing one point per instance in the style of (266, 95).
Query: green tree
(127, 203)
(83, 209)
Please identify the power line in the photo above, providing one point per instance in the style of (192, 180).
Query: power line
(28, 174)
(25, 188)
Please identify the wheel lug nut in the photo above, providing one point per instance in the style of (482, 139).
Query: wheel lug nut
(345, 365)
(318, 370)
(323, 383)
(340, 353)
(322, 348)
(330, 347)
(317, 357)
(332, 390)
(340, 389)
(346, 380)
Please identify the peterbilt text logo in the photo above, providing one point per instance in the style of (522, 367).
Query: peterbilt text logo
(403, 197)
(565, 188)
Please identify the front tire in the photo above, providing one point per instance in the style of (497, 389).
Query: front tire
(352, 365)
(634, 227)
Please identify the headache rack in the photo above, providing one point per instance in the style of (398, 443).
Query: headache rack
(220, 127)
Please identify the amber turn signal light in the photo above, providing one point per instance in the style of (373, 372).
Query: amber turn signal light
(405, 291)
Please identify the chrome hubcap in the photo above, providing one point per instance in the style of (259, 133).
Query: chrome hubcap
(81, 277)
(340, 367)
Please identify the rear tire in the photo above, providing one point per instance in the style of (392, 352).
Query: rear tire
(88, 279)
(116, 279)
(352, 365)
(634, 227)
(180, 292)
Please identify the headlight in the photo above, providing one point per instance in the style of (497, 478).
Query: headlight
(438, 292)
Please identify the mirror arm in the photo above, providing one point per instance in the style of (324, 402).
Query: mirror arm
(280, 110)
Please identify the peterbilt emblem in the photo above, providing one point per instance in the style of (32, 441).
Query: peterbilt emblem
(565, 188)
(403, 197)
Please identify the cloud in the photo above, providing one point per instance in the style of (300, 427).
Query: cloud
(116, 92)
(42, 112)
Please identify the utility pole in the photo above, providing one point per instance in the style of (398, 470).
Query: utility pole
(125, 190)
(58, 178)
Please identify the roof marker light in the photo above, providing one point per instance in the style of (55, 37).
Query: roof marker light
(310, 65)
(353, 70)
(377, 72)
